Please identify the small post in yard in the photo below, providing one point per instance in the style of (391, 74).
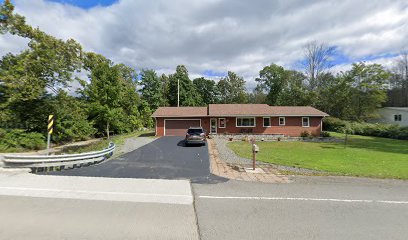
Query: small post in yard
(255, 149)
(49, 131)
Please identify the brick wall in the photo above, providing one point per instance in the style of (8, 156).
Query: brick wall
(292, 128)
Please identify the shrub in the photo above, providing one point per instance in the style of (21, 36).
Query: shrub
(366, 129)
(15, 139)
(325, 134)
(304, 134)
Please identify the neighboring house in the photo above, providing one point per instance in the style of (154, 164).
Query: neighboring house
(238, 119)
(393, 115)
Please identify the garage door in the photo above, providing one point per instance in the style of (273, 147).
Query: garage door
(179, 127)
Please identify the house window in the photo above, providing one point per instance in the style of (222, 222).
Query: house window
(282, 121)
(398, 118)
(266, 121)
(305, 122)
(245, 122)
(221, 122)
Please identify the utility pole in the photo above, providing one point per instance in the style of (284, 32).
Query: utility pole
(178, 92)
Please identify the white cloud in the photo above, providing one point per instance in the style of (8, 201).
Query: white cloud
(220, 35)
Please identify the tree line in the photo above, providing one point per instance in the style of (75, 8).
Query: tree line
(114, 98)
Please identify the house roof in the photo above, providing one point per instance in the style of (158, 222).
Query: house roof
(238, 109)
(180, 112)
(296, 111)
(224, 110)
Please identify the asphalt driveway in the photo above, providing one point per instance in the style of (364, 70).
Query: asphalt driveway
(164, 158)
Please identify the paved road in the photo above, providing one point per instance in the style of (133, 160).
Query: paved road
(164, 158)
(54, 207)
(309, 208)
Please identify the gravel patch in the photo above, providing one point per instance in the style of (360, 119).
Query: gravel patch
(229, 156)
(134, 143)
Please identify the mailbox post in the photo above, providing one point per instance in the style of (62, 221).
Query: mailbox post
(255, 150)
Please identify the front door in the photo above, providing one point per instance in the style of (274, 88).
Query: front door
(213, 126)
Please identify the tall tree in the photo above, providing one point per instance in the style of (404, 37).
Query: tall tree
(398, 92)
(317, 59)
(272, 79)
(369, 91)
(232, 89)
(112, 96)
(207, 90)
(188, 93)
(152, 90)
(257, 96)
(164, 80)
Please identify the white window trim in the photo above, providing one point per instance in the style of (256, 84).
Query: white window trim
(236, 122)
(263, 122)
(219, 123)
(284, 121)
(308, 121)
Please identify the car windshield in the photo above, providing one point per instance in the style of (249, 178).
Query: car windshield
(194, 130)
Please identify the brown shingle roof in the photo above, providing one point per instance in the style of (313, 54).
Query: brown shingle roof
(238, 110)
(296, 111)
(180, 112)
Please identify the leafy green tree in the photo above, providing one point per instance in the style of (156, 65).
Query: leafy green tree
(112, 96)
(146, 115)
(164, 81)
(188, 93)
(232, 89)
(369, 89)
(152, 89)
(257, 96)
(273, 79)
(48, 63)
(207, 90)
(71, 119)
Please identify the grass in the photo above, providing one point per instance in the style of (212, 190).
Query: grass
(363, 156)
(97, 146)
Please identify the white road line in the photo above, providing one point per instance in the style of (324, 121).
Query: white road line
(307, 199)
(97, 195)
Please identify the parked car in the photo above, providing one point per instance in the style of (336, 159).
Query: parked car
(195, 135)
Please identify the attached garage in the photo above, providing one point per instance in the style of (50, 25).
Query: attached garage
(178, 127)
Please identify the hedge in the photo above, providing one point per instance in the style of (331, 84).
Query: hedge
(17, 140)
(366, 129)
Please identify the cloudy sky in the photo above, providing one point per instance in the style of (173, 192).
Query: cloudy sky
(212, 37)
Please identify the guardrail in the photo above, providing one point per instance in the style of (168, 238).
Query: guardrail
(45, 162)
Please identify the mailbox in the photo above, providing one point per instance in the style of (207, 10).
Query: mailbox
(255, 148)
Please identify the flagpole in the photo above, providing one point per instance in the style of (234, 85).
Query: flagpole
(178, 92)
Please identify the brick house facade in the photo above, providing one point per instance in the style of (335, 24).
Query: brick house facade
(239, 119)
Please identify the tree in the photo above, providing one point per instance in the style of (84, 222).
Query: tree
(47, 65)
(152, 90)
(232, 89)
(207, 90)
(317, 61)
(164, 81)
(71, 116)
(146, 115)
(273, 79)
(256, 96)
(369, 89)
(112, 96)
(188, 93)
(398, 92)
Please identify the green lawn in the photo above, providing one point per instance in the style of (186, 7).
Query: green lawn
(363, 156)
